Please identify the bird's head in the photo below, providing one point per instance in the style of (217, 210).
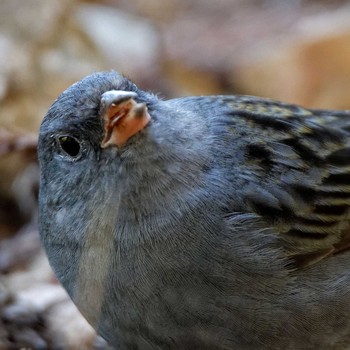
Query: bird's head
(112, 158)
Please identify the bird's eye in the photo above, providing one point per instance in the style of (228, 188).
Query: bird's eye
(70, 146)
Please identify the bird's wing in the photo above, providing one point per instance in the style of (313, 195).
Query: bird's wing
(295, 171)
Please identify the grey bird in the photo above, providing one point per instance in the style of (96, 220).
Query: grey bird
(209, 222)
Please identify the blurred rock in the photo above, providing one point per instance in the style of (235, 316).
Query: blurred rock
(22, 92)
(20, 323)
(38, 313)
(69, 330)
(285, 51)
(7, 51)
(310, 68)
(18, 179)
(37, 273)
(19, 250)
(127, 43)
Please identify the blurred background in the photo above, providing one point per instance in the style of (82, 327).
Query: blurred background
(293, 50)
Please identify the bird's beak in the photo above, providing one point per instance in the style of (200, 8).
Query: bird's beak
(123, 117)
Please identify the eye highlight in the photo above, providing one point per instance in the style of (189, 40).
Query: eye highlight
(70, 146)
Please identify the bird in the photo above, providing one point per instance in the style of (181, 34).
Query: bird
(202, 222)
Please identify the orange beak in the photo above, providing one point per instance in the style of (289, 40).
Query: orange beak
(123, 117)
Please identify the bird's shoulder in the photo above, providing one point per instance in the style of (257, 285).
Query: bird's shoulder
(292, 165)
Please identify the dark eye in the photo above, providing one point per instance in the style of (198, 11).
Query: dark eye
(70, 146)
